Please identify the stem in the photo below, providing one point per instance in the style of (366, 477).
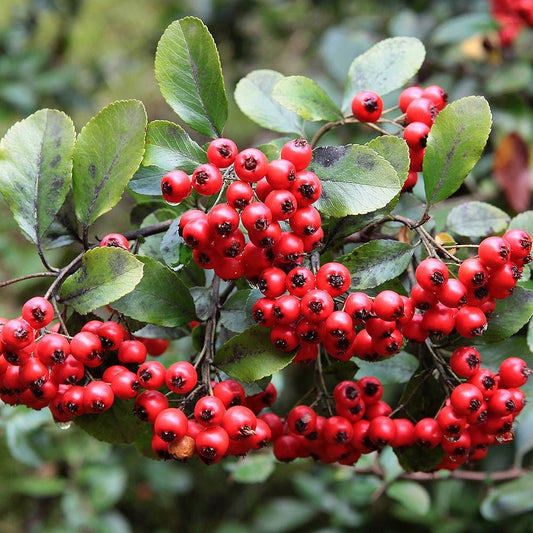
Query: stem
(160, 227)
(322, 383)
(44, 261)
(377, 128)
(326, 127)
(64, 272)
(437, 361)
(28, 276)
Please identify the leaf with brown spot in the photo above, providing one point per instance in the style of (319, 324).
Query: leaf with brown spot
(512, 172)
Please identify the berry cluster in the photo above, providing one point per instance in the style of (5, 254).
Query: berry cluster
(512, 16)
(445, 303)
(480, 411)
(420, 107)
(273, 202)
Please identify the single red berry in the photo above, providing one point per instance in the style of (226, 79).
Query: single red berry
(207, 179)
(421, 110)
(306, 188)
(111, 335)
(486, 381)
(281, 203)
(256, 216)
(87, 348)
(151, 375)
(388, 305)
(98, 397)
(494, 252)
(437, 95)
(286, 309)
(251, 165)
(470, 321)
(298, 152)
(301, 420)
(125, 385)
(410, 182)
(513, 372)
(181, 377)
(284, 338)
(171, 424)
(38, 312)
(299, 281)
(155, 347)
(367, 106)
(439, 320)
(175, 186)
(333, 278)
(212, 444)
(427, 433)
(371, 389)
(116, 240)
(381, 431)
(416, 135)
(466, 398)
(239, 422)
(359, 306)
(239, 194)
(209, 411)
(465, 361)
(197, 233)
(452, 293)
(451, 423)
(231, 393)
(149, 404)
(281, 173)
(408, 95)
(317, 305)
(17, 334)
(53, 349)
(223, 220)
(431, 274)
(520, 243)
(221, 152)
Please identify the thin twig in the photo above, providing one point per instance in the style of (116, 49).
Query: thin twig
(28, 276)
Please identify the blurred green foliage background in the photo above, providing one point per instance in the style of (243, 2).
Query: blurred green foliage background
(80, 55)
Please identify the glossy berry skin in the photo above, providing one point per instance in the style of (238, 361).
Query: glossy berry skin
(410, 182)
(309, 332)
(111, 335)
(221, 152)
(284, 338)
(519, 241)
(367, 106)
(239, 194)
(38, 312)
(230, 392)
(337, 430)
(239, 422)
(513, 372)
(197, 233)
(371, 389)
(132, 352)
(359, 306)
(421, 110)
(431, 274)
(286, 448)
(465, 361)
(298, 152)
(53, 349)
(306, 188)
(262, 312)
(171, 424)
(494, 252)
(452, 293)
(466, 398)
(427, 433)
(209, 411)
(473, 273)
(98, 397)
(87, 348)
(388, 305)
(301, 420)
(286, 309)
(408, 95)
(17, 334)
(282, 204)
(317, 305)
(416, 135)
(437, 95)
(149, 404)
(256, 216)
(207, 179)
(212, 444)
(125, 385)
(281, 173)
(470, 321)
(175, 186)
(450, 422)
(251, 165)
(223, 220)
(299, 281)
(181, 377)
(151, 375)
(115, 240)
(381, 431)
(333, 278)
(155, 347)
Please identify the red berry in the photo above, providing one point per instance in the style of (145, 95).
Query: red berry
(437, 95)
(470, 321)
(381, 431)
(298, 152)
(230, 392)
(171, 424)
(281, 173)
(221, 152)
(175, 186)
(367, 106)
(212, 444)
(149, 404)
(408, 95)
(421, 110)
(416, 135)
(251, 165)
(38, 312)
(301, 420)
(239, 422)
(132, 351)
(388, 305)
(513, 372)
(465, 361)
(151, 375)
(431, 274)
(181, 377)
(207, 179)
(239, 194)
(98, 397)
(519, 241)
(333, 278)
(427, 433)
(116, 240)
(209, 411)
(494, 252)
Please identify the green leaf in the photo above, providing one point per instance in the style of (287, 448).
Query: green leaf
(188, 71)
(462, 27)
(387, 66)
(253, 95)
(108, 151)
(413, 496)
(173, 249)
(390, 370)
(355, 180)
(454, 145)
(283, 514)
(306, 98)
(169, 147)
(422, 396)
(477, 219)
(147, 180)
(509, 317)
(417, 459)
(395, 151)
(36, 170)
(255, 468)
(117, 425)
(160, 298)
(105, 275)
(375, 262)
(523, 221)
(235, 314)
(509, 499)
(251, 356)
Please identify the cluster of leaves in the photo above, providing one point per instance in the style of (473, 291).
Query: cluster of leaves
(48, 174)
